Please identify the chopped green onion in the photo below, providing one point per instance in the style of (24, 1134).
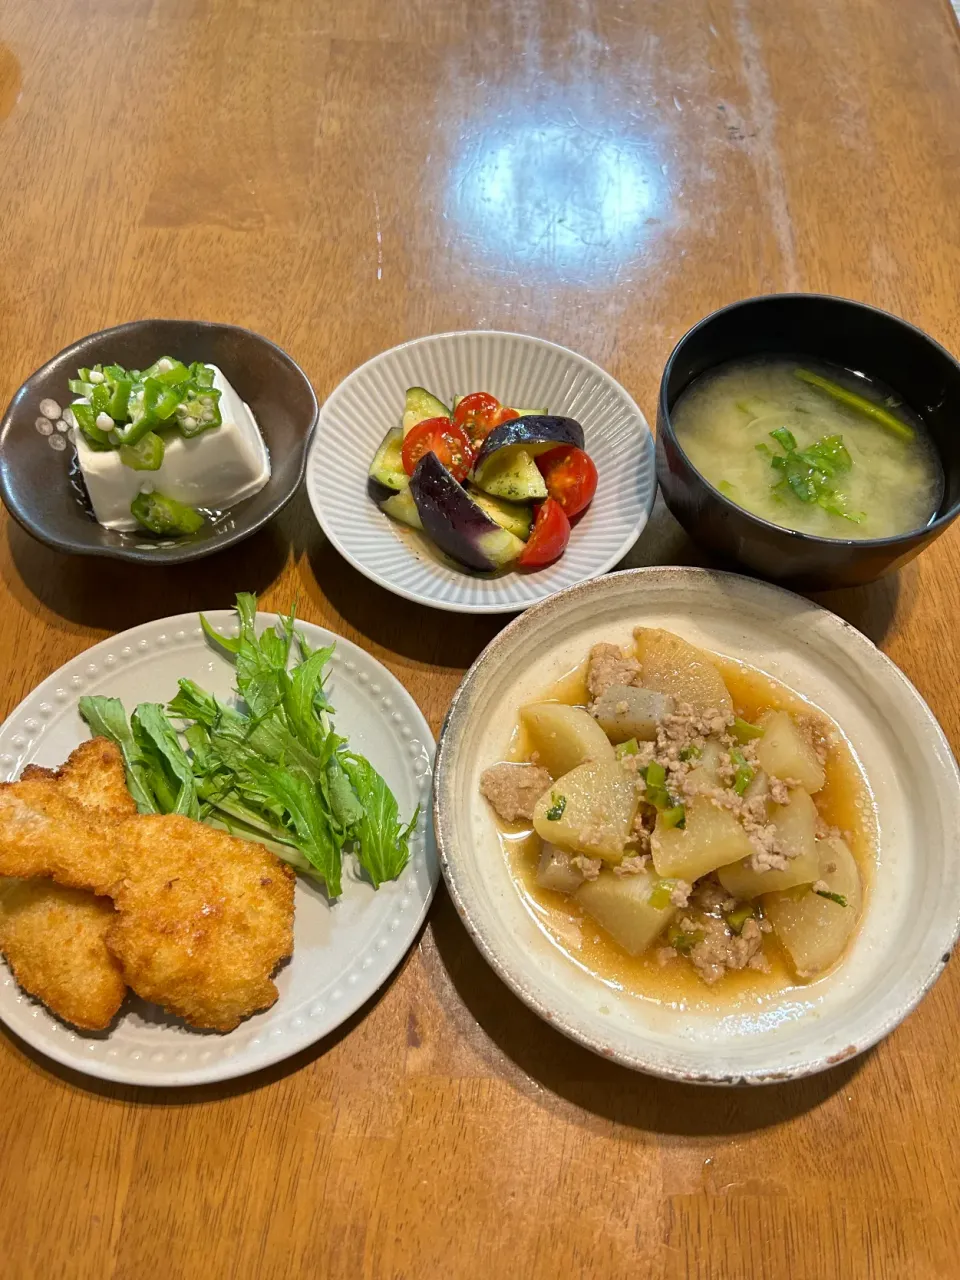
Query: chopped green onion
(630, 748)
(683, 942)
(692, 752)
(838, 898)
(744, 775)
(739, 916)
(744, 731)
(555, 812)
(853, 401)
(675, 816)
(655, 774)
(660, 895)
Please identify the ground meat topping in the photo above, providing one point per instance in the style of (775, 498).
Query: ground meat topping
(680, 893)
(632, 864)
(609, 666)
(721, 949)
(589, 868)
(514, 789)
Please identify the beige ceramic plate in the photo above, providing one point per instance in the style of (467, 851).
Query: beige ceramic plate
(913, 909)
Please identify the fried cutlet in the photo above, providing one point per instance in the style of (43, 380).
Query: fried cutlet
(203, 919)
(53, 936)
(53, 939)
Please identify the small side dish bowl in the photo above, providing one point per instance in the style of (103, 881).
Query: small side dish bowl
(912, 906)
(37, 481)
(518, 370)
(836, 330)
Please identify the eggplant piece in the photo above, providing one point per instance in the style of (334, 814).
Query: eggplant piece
(505, 465)
(455, 522)
(536, 434)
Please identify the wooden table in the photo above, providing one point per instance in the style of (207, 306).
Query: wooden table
(340, 177)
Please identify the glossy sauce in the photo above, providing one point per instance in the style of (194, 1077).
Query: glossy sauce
(844, 801)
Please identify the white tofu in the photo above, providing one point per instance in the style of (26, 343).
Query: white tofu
(214, 469)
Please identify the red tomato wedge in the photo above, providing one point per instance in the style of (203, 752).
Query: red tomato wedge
(570, 476)
(449, 442)
(551, 533)
(478, 414)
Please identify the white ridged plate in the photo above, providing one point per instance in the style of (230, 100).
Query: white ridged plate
(518, 370)
(912, 907)
(342, 954)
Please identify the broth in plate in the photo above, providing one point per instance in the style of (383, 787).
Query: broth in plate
(811, 447)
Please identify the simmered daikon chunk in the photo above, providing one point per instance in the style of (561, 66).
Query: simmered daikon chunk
(814, 929)
(784, 752)
(621, 905)
(556, 870)
(711, 838)
(671, 665)
(564, 737)
(705, 775)
(796, 824)
(624, 712)
(590, 809)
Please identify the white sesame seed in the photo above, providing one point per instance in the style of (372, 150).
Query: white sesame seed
(164, 365)
(50, 408)
(104, 422)
(95, 376)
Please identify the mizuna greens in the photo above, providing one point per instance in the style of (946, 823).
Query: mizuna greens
(272, 769)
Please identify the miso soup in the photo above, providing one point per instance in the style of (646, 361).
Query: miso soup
(811, 447)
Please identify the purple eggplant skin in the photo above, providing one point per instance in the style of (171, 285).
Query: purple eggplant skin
(451, 517)
(541, 429)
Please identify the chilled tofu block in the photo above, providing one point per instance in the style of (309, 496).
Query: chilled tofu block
(215, 469)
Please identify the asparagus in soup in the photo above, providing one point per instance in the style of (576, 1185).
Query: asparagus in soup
(692, 836)
(811, 447)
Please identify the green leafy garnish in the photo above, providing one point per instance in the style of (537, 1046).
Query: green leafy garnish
(859, 403)
(559, 803)
(630, 748)
(807, 474)
(271, 768)
(838, 898)
(692, 752)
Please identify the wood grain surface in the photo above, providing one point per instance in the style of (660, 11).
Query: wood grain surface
(342, 175)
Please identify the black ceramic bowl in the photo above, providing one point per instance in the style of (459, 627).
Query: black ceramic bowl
(37, 483)
(919, 370)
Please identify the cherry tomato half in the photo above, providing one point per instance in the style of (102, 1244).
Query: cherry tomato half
(478, 414)
(551, 533)
(571, 477)
(449, 442)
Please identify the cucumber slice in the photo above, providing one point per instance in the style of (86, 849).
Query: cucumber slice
(420, 405)
(515, 517)
(403, 508)
(511, 473)
(387, 466)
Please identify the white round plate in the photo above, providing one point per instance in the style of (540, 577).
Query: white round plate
(912, 909)
(342, 954)
(518, 370)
